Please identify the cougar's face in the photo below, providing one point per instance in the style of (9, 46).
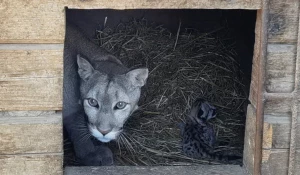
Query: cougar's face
(108, 101)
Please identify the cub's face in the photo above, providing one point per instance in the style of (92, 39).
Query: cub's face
(108, 101)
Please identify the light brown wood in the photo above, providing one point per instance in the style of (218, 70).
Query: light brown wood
(283, 21)
(267, 136)
(42, 134)
(31, 78)
(31, 94)
(43, 21)
(280, 68)
(31, 164)
(249, 140)
(30, 62)
(277, 135)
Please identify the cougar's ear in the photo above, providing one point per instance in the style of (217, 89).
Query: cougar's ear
(85, 69)
(138, 77)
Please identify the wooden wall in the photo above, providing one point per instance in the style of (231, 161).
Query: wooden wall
(281, 141)
(31, 54)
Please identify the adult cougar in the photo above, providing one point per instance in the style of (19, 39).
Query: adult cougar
(100, 93)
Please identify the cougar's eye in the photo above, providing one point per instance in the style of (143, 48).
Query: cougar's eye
(93, 102)
(120, 105)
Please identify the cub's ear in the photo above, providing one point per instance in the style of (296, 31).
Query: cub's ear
(85, 69)
(138, 77)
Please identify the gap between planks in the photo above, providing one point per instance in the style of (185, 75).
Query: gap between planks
(31, 46)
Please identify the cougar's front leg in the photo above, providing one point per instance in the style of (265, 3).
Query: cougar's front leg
(89, 151)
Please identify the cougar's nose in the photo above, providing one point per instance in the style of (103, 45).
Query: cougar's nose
(104, 132)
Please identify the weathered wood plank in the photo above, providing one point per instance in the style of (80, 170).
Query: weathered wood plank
(255, 62)
(277, 135)
(267, 136)
(158, 170)
(30, 77)
(44, 22)
(42, 134)
(25, 113)
(31, 94)
(229, 4)
(30, 61)
(277, 151)
(253, 95)
(31, 164)
(277, 105)
(280, 68)
(283, 21)
(275, 162)
(249, 140)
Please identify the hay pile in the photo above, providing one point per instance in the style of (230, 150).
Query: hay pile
(183, 66)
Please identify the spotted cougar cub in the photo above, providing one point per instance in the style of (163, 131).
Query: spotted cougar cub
(100, 94)
(198, 136)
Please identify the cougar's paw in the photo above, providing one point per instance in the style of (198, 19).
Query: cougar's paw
(101, 157)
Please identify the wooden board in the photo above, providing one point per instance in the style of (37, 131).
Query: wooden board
(31, 164)
(283, 21)
(249, 141)
(255, 62)
(42, 134)
(31, 77)
(280, 68)
(157, 170)
(43, 21)
(228, 4)
(278, 105)
(277, 135)
(19, 61)
(31, 94)
(275, 162)
(25, 113)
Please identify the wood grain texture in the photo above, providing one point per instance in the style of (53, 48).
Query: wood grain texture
(267, 136)
(43, 21)
(249, 140)
(275, 162)
(31, 79)
(255, 62)
(277, 135)
(42, 134)
(277, 105)
(283, 21)
(28, 63)
(280, 68)
(31, 164)
(31, 94)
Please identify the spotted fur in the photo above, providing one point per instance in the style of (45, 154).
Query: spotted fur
(198, 136)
